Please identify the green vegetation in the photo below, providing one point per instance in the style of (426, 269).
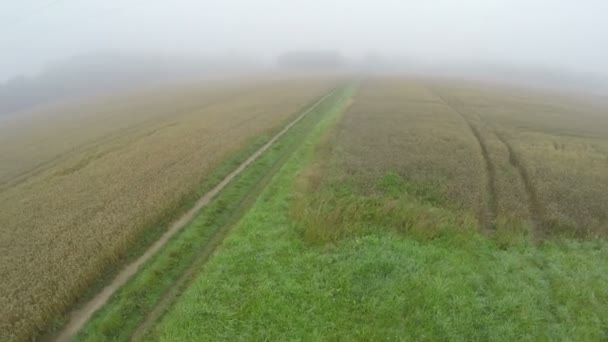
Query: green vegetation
(386, 286)
(351, 242)
(129, 307)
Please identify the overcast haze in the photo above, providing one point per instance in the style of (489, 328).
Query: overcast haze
(570, 35)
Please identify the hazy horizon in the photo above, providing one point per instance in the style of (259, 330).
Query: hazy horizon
(545, 34)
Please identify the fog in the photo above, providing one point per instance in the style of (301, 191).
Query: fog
(555, 35)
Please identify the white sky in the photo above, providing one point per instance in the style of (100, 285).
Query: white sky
(566, 34)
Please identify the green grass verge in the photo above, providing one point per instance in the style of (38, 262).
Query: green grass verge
(393, 205)
(266, 282)
(127, 309)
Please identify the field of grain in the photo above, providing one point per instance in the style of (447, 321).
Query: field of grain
(527, 165)
(550, 152)
(351, 242)
(83, 185)
(399, 158)
(34, 140)
(400, 209)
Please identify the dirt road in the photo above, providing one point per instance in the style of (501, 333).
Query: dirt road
(79, 318)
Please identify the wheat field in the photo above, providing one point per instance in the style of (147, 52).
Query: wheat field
(526, 164)
(83, 183)
(551, 152)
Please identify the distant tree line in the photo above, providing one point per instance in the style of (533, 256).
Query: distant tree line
(312, 59)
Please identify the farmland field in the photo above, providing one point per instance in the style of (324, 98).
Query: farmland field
(549, 154)
(415, 217)
(84, 185)
(395, 209)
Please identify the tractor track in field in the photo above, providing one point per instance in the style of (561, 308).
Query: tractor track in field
(80, 317)
(533, 203)
(535, 207)
(488, 217)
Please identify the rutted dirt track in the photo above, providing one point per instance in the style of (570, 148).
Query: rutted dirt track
(80, 317)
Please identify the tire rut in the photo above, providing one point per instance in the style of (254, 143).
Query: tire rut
(535, 207)
(489, 214)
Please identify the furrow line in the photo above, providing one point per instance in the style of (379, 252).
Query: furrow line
(488, 217)
(534, 204)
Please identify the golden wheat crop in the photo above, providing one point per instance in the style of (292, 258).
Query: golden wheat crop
(82, 182)
(401, 126)
(527, 163)
(556, 144)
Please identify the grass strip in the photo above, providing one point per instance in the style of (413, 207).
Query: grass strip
(128, 308)
(280, 186)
